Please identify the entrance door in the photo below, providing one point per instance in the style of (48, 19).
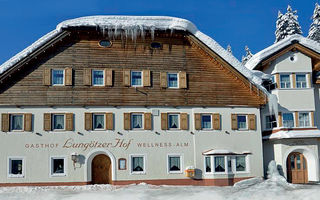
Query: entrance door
(297, 168)
(101, 169)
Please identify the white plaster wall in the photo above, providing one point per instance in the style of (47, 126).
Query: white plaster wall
(191, 144)
(295, 99)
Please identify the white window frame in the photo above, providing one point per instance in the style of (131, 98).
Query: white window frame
(104, 122)
(52, 123)
(294, 125)
(290, 81)
(204, 114)
(225, 164)
(178, 128)
(92, 74)
(181, 163)
(299, 120)
(131, 163)
(247, 125)
(246, 158)
(227, 158)
(177, 80)
(52, 174)
(266, 122)
(52, 78)
(11, 124)
(141, 85)
(142, 120)
(10, 158)
(211, 164)
(305, 76)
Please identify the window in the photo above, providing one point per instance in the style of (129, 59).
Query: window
(105, 43)
(98, 121)
(301, 81)
(155, 45)
(173, 120)
(174, 164)
(137, 164)
(172, 80)
(207, 165)
(304, 119)
(97, 77)
(287, 120)
(57, 77)
(16, 168)
(58, 166)
(16, 122)
(206, 121)
(136, 78)
(136, 121)
(240, 163)
(242, 122)
(58, 122)
(271, 122)
(219, 164)
(122, 164)
(285, 81)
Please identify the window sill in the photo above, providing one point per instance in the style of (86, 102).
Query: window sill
(137, 173)
(58, 175)
(15, 176)
(175, 172)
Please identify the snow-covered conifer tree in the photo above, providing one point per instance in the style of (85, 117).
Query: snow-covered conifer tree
(287, 24)
(229, 49)
(314, 31)
(248, 55)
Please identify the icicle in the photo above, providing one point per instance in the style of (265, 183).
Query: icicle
(103, 31)
(152, 33)
(116, 32)
(273, 104)
(171, 31)
(110, 33)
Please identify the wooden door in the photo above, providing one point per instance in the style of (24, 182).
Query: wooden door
(101, 170)
(297, 170)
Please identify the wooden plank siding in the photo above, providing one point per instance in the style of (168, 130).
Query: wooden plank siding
(209, 83)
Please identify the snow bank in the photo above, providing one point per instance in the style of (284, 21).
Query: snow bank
(294, 134)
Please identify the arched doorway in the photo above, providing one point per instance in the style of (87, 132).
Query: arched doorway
(101, 170)
(297, 170)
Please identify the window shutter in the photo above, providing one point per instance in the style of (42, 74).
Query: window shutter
(164, 121)
(308, 80)
(278, 80)
(163, 79)
(126, 78)
(312, 118)
(69, 122)
(68, 76)
(252, 121)
(280, 119)
(184, 121)
(127, 121)
(197, 121)
(47, 121)
(5, 122)
(108, 77)
(147, 121)
(87, 77)
(234, 122)
(216, 121)
(27, 122)
(182, 80)
(47, 76)
(293, 80)
(88, 121)
(146, 78)
(109, 121)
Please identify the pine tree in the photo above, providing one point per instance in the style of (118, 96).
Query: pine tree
(287, 24)
(314, 31)
(248, 55)
(229, 49)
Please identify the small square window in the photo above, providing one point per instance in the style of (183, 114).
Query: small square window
(57, 77)
(16, 168)
(242, 122)
(206, 121)
(285, 81)
(97, 77)
(58, 166)
(136, 78)
(58, 122)
(219, 164)
(240, 163)
(137, 164)
(271, 122)
(174, 163)
(16, 122)
(208, 167)
(172, 80)
(136, 121)
(287, 120)
(98, 121)
(301, 81)
(122, 162)
(173, 121)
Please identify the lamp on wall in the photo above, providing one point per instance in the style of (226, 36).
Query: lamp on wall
(75, 159)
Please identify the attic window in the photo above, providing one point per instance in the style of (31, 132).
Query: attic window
(155, 45)
(292, 58)
(105, 43)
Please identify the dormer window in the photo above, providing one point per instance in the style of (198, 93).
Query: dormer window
(301, 81)
(285, 81)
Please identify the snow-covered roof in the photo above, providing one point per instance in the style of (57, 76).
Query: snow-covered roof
(223, 152)
(260, 56)
(293, 134)
(132, 24)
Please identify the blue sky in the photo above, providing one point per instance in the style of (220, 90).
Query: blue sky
(234, 22)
